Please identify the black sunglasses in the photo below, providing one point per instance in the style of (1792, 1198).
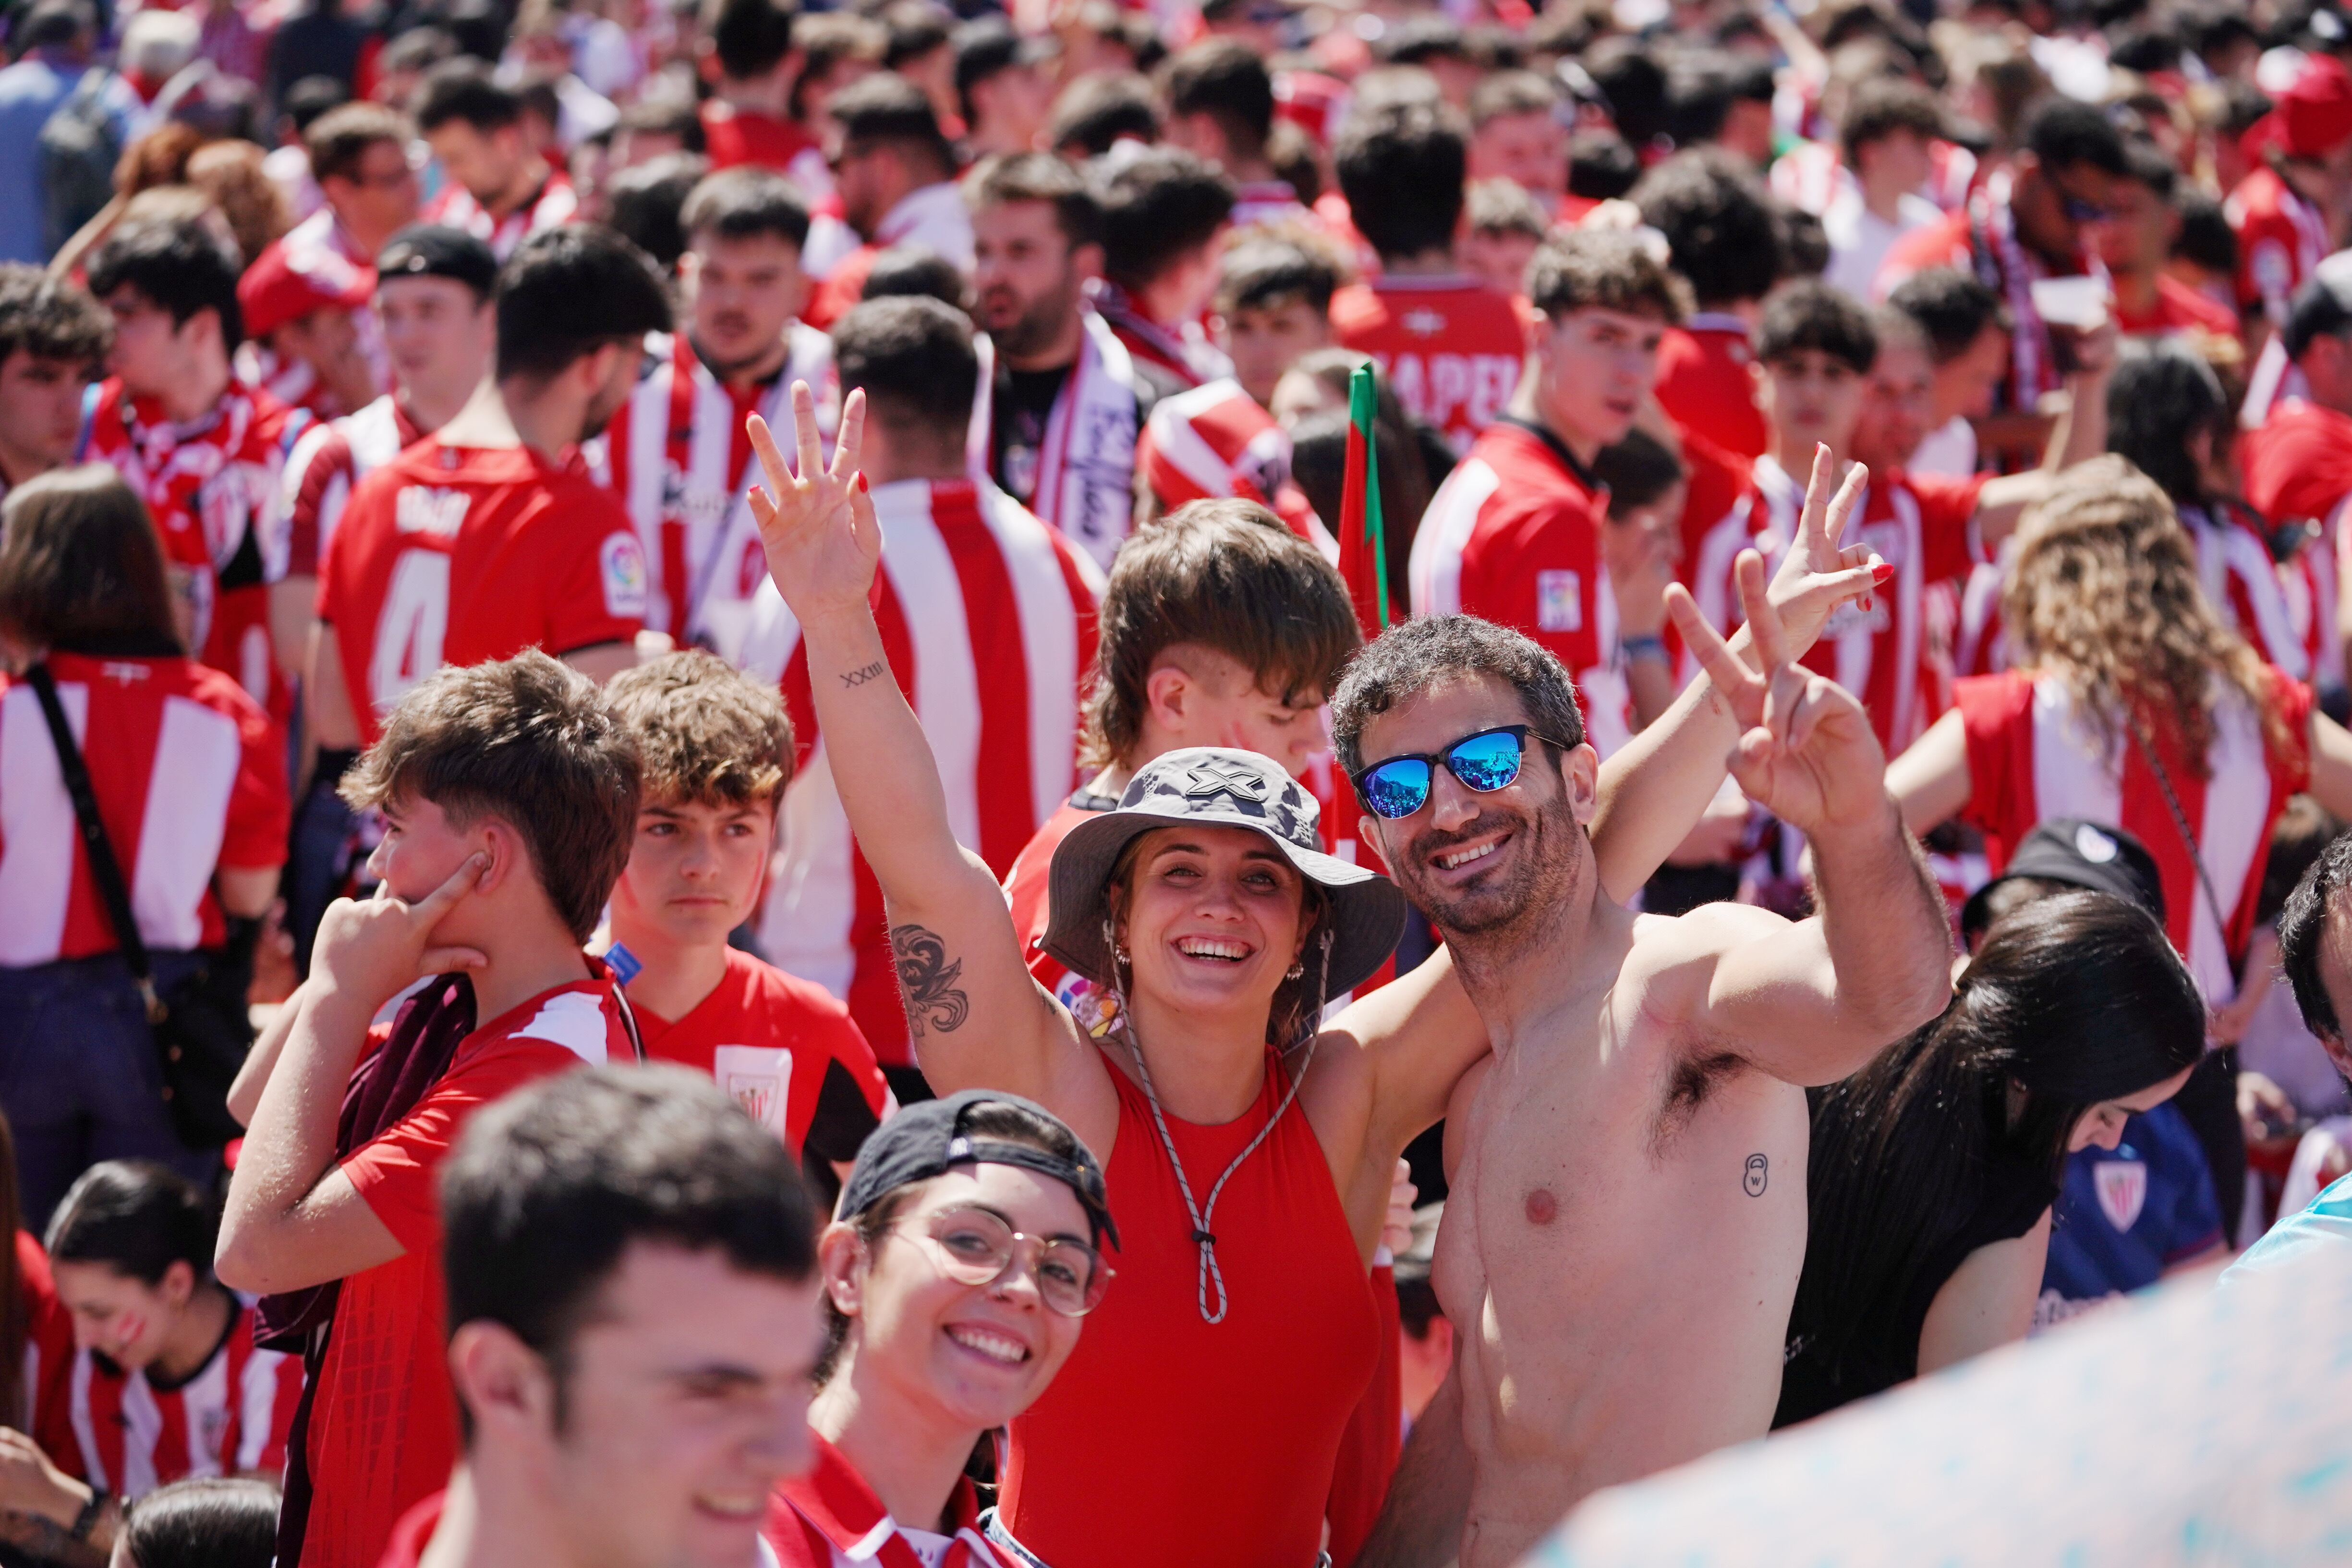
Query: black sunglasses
(1486, 762)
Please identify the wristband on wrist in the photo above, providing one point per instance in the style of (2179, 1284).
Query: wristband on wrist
(1644, 645)
(86, 1520)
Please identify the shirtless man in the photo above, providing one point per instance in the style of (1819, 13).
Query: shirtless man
(1627, 1218)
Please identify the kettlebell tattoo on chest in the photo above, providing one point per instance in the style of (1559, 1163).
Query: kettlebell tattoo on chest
(1757, 1174)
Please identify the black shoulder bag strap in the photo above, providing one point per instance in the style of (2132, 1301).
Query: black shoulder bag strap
(104, 868)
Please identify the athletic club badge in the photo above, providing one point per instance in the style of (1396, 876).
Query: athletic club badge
(2123, 1191)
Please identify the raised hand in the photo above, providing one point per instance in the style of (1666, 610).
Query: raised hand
(1807, 752)
(373, 950)
(1817, 575)
(818, 529)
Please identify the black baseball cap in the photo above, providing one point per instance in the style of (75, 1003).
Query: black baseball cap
(437, 250)
(928, 1139)
(2082, 855)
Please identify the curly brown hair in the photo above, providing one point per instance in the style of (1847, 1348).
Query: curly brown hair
(2104, 593)
(706, 732)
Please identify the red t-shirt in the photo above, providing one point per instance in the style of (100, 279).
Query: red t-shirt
(1514, 536)
(47, 1363)
(1450, 346)
(2298, 462)
(746, 136)
(786, 1049)
(384, 1420)
(190, 775)
(2177, 308)
(414, 1532)
(462, 554)
(1705, 384)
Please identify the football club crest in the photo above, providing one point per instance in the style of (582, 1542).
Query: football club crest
(2123, 1191)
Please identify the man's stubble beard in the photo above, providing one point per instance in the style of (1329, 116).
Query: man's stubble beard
(1039, 322)
(1498, 916)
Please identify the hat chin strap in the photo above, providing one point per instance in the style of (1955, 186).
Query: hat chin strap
(1212, 1273)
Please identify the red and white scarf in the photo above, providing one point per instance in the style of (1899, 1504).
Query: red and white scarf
(1086, 465)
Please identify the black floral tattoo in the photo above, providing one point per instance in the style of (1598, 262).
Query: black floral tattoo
(1757, 1174)
(928, 981)
(860, 676)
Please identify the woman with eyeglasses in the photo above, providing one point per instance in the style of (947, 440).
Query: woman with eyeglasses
(1253, 1146)
(957, 1272)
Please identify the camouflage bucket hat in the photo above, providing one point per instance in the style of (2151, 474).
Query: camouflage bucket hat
(1213, 786)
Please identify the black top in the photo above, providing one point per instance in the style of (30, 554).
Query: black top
(2018, 1190)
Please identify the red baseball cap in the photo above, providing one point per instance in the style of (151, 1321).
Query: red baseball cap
(286, 285)
(2313, 116)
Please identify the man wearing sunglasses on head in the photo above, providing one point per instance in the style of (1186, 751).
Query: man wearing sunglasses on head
(1627, 1207)
(2030, 222)
(957, 1272)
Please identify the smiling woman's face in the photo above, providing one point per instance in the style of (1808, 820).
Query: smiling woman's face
(1212, 921)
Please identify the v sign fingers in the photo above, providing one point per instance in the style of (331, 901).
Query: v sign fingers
(1764, 628)
(1741, 687)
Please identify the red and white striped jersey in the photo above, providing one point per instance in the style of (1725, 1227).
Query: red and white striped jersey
(324, 465)
(190, 775)
(2282, 239)
(1215, 441)
(2033, 755)
(215, 489)
(555, 203)
(231, 1418)
(989, 620)
(1921, 525)
(830, 1518)
(1514, 536)
(1451, 346)
(680, 461)
(2297, 466)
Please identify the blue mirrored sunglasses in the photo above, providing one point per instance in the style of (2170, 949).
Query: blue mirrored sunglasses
(1486, 762)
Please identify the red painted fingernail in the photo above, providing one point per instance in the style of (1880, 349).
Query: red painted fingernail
(1882, 572)
(861, 485)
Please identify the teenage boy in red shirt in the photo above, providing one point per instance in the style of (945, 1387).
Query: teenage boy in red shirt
(508, 795)
(716, 749)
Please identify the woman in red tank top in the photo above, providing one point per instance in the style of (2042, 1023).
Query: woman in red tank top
(1252, 1155)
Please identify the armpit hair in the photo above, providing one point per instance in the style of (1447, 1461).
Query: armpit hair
(1688, 1085)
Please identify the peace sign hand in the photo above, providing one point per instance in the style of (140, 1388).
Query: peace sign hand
(1817, 575)
(819, 530)
(1807, 754)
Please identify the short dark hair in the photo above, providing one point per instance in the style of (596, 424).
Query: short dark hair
(1503, 206)
(1157, 206)
(1224, 575)
(1094, 111)
(1417, 653)
(914, 357)
(1264, 271)
(179, 264)
(1509, 93)
(464, 89)
(1602, 164)
(2161, 394)
(1719, 225)
(916, 28)
(549, 1188)
(1952, 307)
(2303, 932)
(1611, 270)
(1418, 39)
(749, 37)
(826, 38)
(1224, 80)
(136, 1217)
(667, 117)
(912, 269)
(1882, 105)
(205, 1521)
(1402, 170)
(648, 203)
(1638, 470)
(528, 739)
(2063, 132)
(51, 318)
(740, 203)
(52, 22)
(888, 110)
(2146, 164)
(1038, 177)
(1627, 71)
(339, 138)
(2206, 236)
(82, 564)
(569, 290)
(1701, 87)
(1812, 314)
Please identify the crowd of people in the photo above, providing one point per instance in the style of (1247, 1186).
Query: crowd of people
(1688, 659)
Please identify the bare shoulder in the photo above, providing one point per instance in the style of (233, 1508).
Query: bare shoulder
(1664, 943)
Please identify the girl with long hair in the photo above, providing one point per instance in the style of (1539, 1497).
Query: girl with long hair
(1934, 1169)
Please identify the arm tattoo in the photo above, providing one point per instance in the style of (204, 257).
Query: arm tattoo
(860, 676)
(928, 980)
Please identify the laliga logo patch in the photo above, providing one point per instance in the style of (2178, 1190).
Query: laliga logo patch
(621, 563)
(1559, 602)
(2123, 1191)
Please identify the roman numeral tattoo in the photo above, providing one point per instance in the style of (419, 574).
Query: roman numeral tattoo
(854, 678)
(927, 979)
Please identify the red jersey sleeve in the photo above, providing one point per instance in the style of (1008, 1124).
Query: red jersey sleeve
(592, 572)
(1997, 717)
(1540, 571)
(395, 1173)
(260, 808)
(319, 485)
(2293, 702)
(47, 1364)
(1947, 510)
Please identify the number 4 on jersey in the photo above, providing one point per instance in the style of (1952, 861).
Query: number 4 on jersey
(409, 631)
